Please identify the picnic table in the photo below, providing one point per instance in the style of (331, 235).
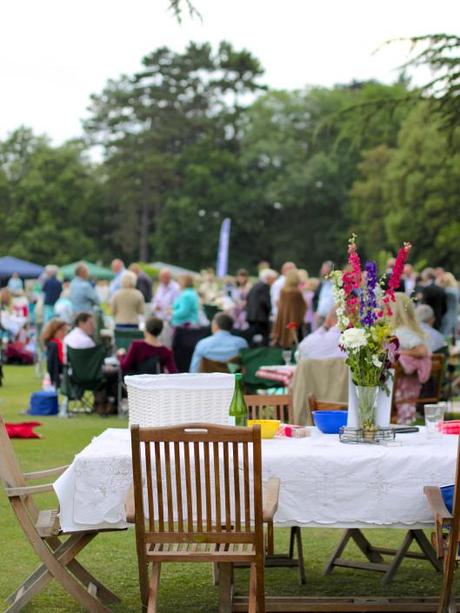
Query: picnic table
(324, 483)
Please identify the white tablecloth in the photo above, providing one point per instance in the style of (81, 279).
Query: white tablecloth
(323, 482)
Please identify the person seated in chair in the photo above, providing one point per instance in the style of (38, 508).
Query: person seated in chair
(323, 343)
(221, 346)
(434, 339)
(52, 338)
(141, 352)
(81, 336)
(414, 357)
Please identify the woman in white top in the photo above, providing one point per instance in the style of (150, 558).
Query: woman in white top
(412, 340)
(414, 352)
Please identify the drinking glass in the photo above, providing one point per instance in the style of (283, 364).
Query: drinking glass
(287, 354)
(434, 416)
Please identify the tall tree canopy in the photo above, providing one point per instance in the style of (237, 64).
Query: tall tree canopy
(147, 122)
(411, 192)
(47, 200)
(194, 137)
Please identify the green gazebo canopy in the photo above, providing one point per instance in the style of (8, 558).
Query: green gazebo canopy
(95, 271)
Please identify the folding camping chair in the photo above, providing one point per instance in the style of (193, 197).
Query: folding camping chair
(252, 360)
(124, 338)
(82, 376)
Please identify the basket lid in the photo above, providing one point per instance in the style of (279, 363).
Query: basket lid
(182, 381)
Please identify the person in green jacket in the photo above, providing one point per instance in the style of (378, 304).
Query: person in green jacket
(186, 305)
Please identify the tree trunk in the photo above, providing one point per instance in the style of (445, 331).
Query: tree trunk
(144, 223)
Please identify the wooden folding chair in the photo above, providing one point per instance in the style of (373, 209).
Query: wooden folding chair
(203, 504)
(277, 406)
(446, 538)
(43, 532)
(270, 406)
(324, 405)
(208, 366)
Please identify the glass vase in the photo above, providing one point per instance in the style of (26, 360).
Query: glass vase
(367, 408)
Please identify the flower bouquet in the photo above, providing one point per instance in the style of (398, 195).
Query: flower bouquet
(367, 337)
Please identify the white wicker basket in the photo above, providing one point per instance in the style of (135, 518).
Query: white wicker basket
(164, 400)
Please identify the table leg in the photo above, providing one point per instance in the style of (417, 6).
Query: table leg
(225, 587)
(364, 545)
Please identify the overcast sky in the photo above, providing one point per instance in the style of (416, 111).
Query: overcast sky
(55, 53)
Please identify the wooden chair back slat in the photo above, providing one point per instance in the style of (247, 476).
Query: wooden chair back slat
(228, 520)
(218, 518)
(216, 487)
(236, 487)
(159, 487)
(148, 470)
(188, 481)
(247, 499)
(180, 511)
(279, 404)
(199, 510)
(207, 480)
(257, 490)
(169, 488)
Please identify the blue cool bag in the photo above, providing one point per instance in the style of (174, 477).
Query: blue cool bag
(43, 403)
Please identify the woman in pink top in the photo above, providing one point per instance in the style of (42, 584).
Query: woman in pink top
(414, 357)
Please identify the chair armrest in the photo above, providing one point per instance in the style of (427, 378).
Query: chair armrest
(41, 474)
(270, 505)
(29, 490)
(130, 508)
(436, 502)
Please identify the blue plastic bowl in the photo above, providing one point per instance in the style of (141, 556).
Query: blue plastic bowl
(330, 422)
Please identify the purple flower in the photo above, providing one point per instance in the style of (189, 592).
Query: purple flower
(369, 303)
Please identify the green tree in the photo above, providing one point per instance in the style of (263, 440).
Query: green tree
(46, 199)
(368, 204)
(301, 153)
(422, 187)
(147, 122)
(410, 193)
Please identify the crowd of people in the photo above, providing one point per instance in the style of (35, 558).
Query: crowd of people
(283, 309)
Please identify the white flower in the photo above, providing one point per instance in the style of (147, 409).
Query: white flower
(376, 362)
(353, 338)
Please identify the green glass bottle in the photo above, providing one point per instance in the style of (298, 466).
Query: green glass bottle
(238, 410)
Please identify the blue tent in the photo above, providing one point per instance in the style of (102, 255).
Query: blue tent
(26, 270)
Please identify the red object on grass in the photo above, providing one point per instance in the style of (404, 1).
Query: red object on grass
(24, 429)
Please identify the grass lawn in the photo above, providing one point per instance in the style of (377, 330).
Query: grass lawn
(112, 557)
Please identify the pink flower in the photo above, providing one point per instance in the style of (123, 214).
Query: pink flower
(355, 263)
(398, 270)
